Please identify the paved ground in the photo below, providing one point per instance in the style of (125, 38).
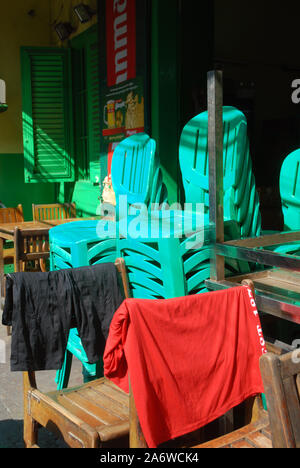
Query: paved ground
(11, 399)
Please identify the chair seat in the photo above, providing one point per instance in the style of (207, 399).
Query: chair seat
(254, 435)
(100, 409)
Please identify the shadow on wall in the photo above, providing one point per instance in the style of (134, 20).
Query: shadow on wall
(13, 189)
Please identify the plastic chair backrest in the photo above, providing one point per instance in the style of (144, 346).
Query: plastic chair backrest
(193, 153)
(289, 185)
(241, 202)
(133, 167)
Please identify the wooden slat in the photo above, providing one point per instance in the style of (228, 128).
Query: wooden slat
(116, 410)
(259, 440)
(114, 394)
(78, 411)
(238, 435)
(241, 444)
(288, 366)
(279, 379)
(292, 399)
(10, 215)
(98, 404)
(53, 211)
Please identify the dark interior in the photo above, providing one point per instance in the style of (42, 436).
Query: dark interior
(256, 46)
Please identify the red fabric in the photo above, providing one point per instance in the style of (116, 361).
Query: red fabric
(190, 359)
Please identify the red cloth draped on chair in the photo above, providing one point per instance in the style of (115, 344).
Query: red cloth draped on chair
(190, 359)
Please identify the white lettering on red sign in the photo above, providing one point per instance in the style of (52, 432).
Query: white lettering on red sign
(121, 40)
(258, 326)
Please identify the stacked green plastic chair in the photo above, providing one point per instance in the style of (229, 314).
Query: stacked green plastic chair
(136, 176)
(164, 267)
(168, 254)
(241, 201)
(156, 254)
(289, 185)
(136, 172)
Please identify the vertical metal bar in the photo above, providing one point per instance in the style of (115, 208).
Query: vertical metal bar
(215, 151)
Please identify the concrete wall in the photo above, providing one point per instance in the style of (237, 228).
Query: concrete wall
(24, 23)
(63, 11)
(30, 23)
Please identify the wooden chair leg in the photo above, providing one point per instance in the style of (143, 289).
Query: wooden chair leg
(30, 429)
(136, 436)
(30, 432)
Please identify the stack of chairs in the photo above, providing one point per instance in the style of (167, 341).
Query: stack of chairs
(164, 263)
(241, 201)
(289, 186)
(165, 268)
(136, 175)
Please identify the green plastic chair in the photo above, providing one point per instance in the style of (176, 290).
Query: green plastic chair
(166, 259)
(136, 175)
(289, 186)
(241, 202)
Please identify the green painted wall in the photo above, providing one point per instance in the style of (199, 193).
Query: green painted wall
(13, 189)
(165, 93)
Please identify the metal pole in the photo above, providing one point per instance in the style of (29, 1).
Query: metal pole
(215, 151)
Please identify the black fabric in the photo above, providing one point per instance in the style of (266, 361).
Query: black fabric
(41, 307)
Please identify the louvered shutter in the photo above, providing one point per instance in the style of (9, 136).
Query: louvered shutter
(93, 107)
(47, 115)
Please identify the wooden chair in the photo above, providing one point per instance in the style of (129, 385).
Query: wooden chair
(254, 433)
(246, 426)
(53, 211)
(93, 415)
(279, 427)
(30, 246)
(281, 377)
(10, 215)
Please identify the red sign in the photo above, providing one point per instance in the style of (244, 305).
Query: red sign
(120, 41)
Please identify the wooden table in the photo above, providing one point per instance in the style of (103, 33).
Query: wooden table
(7, 233)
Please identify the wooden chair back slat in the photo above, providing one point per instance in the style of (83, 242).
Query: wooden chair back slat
(293, 405)
(53, 211)
(31, 245)
(11, 215)
(281, 383)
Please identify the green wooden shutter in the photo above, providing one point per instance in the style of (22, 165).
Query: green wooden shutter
(47, 115)
(93, 107)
